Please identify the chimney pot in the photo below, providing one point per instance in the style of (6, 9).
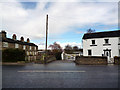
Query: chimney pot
(28, 40)
(3, 34)
(22, 39)
(14, 37)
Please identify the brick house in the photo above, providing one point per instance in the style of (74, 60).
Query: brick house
(30, 48)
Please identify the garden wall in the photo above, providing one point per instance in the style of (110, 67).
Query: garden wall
(117, 60)
(91, 60)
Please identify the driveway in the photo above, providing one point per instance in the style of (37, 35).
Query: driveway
(60, 74)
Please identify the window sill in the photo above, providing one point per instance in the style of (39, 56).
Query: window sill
(93, 45)
(106, 44)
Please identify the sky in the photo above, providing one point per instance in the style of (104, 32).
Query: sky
(67, 20)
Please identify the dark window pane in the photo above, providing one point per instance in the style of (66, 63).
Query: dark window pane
(89, 52)
(107, 41)
(93, 41)
(119, 52)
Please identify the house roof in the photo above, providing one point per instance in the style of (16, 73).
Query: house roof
(9, 40)
(102, 34)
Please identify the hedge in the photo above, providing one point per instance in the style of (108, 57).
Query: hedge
(13, 55)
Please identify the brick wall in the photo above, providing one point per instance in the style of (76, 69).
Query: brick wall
(91, 60)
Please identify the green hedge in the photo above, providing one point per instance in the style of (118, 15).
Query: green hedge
(13, 55)
(58, 55)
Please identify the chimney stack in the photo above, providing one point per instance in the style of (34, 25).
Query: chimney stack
(22, 39)
(28, 40)
(3, 34)
(14, 37)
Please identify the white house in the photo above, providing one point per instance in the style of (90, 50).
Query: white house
(102, 44)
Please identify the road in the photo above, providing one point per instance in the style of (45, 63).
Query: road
(60, 74)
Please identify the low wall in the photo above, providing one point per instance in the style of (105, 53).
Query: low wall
(46, 60)
(91, 60)
(50, 59)
(117, 60)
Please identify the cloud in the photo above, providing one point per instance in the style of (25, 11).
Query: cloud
(69, 43)
(63, 16)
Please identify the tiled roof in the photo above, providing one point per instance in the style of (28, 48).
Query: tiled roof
(102, 34)
(17, 41)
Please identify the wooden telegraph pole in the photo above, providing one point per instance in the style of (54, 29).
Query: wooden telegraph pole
(46, 32)
(45, 60)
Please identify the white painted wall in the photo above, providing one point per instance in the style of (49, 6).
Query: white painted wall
(98, 50)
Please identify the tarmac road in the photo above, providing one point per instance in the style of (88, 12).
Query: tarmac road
(59, 74)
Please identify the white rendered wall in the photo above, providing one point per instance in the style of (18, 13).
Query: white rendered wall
(98, 50)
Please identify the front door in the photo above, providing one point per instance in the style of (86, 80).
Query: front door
(108, 54)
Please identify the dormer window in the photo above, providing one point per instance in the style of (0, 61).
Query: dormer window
(106, 41)
(93, 41)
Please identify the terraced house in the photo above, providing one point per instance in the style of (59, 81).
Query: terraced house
(30, 48)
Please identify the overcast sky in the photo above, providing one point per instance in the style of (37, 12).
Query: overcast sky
(68, 20)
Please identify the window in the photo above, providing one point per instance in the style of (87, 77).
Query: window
(33, 53)
(5, 44)
(30, 53)
(30, 47)
(119, 40)
(16, 45)
(106, 41)
(93, 41)
(89, 52)
(35, 48)
(27, 53)
(24, 47)
(119, 52)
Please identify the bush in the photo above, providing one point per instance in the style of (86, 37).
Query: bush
(13, 55)
(58, 55)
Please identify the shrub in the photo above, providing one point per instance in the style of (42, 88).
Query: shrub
(13, 55)
(58, 55)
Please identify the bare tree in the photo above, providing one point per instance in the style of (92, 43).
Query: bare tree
(90, 30)
(75, 48)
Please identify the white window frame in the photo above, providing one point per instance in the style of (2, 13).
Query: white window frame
(30, 47)
(108, 41)
(27, 53)
(92, 43)
(16, 45)
(5, 44)
(90, 52)
(24, 47)
(35, 53)
(35, 48)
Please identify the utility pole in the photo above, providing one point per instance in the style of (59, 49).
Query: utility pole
(46, 32)
(45, 60)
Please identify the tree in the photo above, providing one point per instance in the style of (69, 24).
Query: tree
(90, 30)
(68, 49)
(55, 47)
(56, 50)
(75, 48)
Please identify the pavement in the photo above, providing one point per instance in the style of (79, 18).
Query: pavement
(59, 74)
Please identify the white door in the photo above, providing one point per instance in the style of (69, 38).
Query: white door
(107, 53)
